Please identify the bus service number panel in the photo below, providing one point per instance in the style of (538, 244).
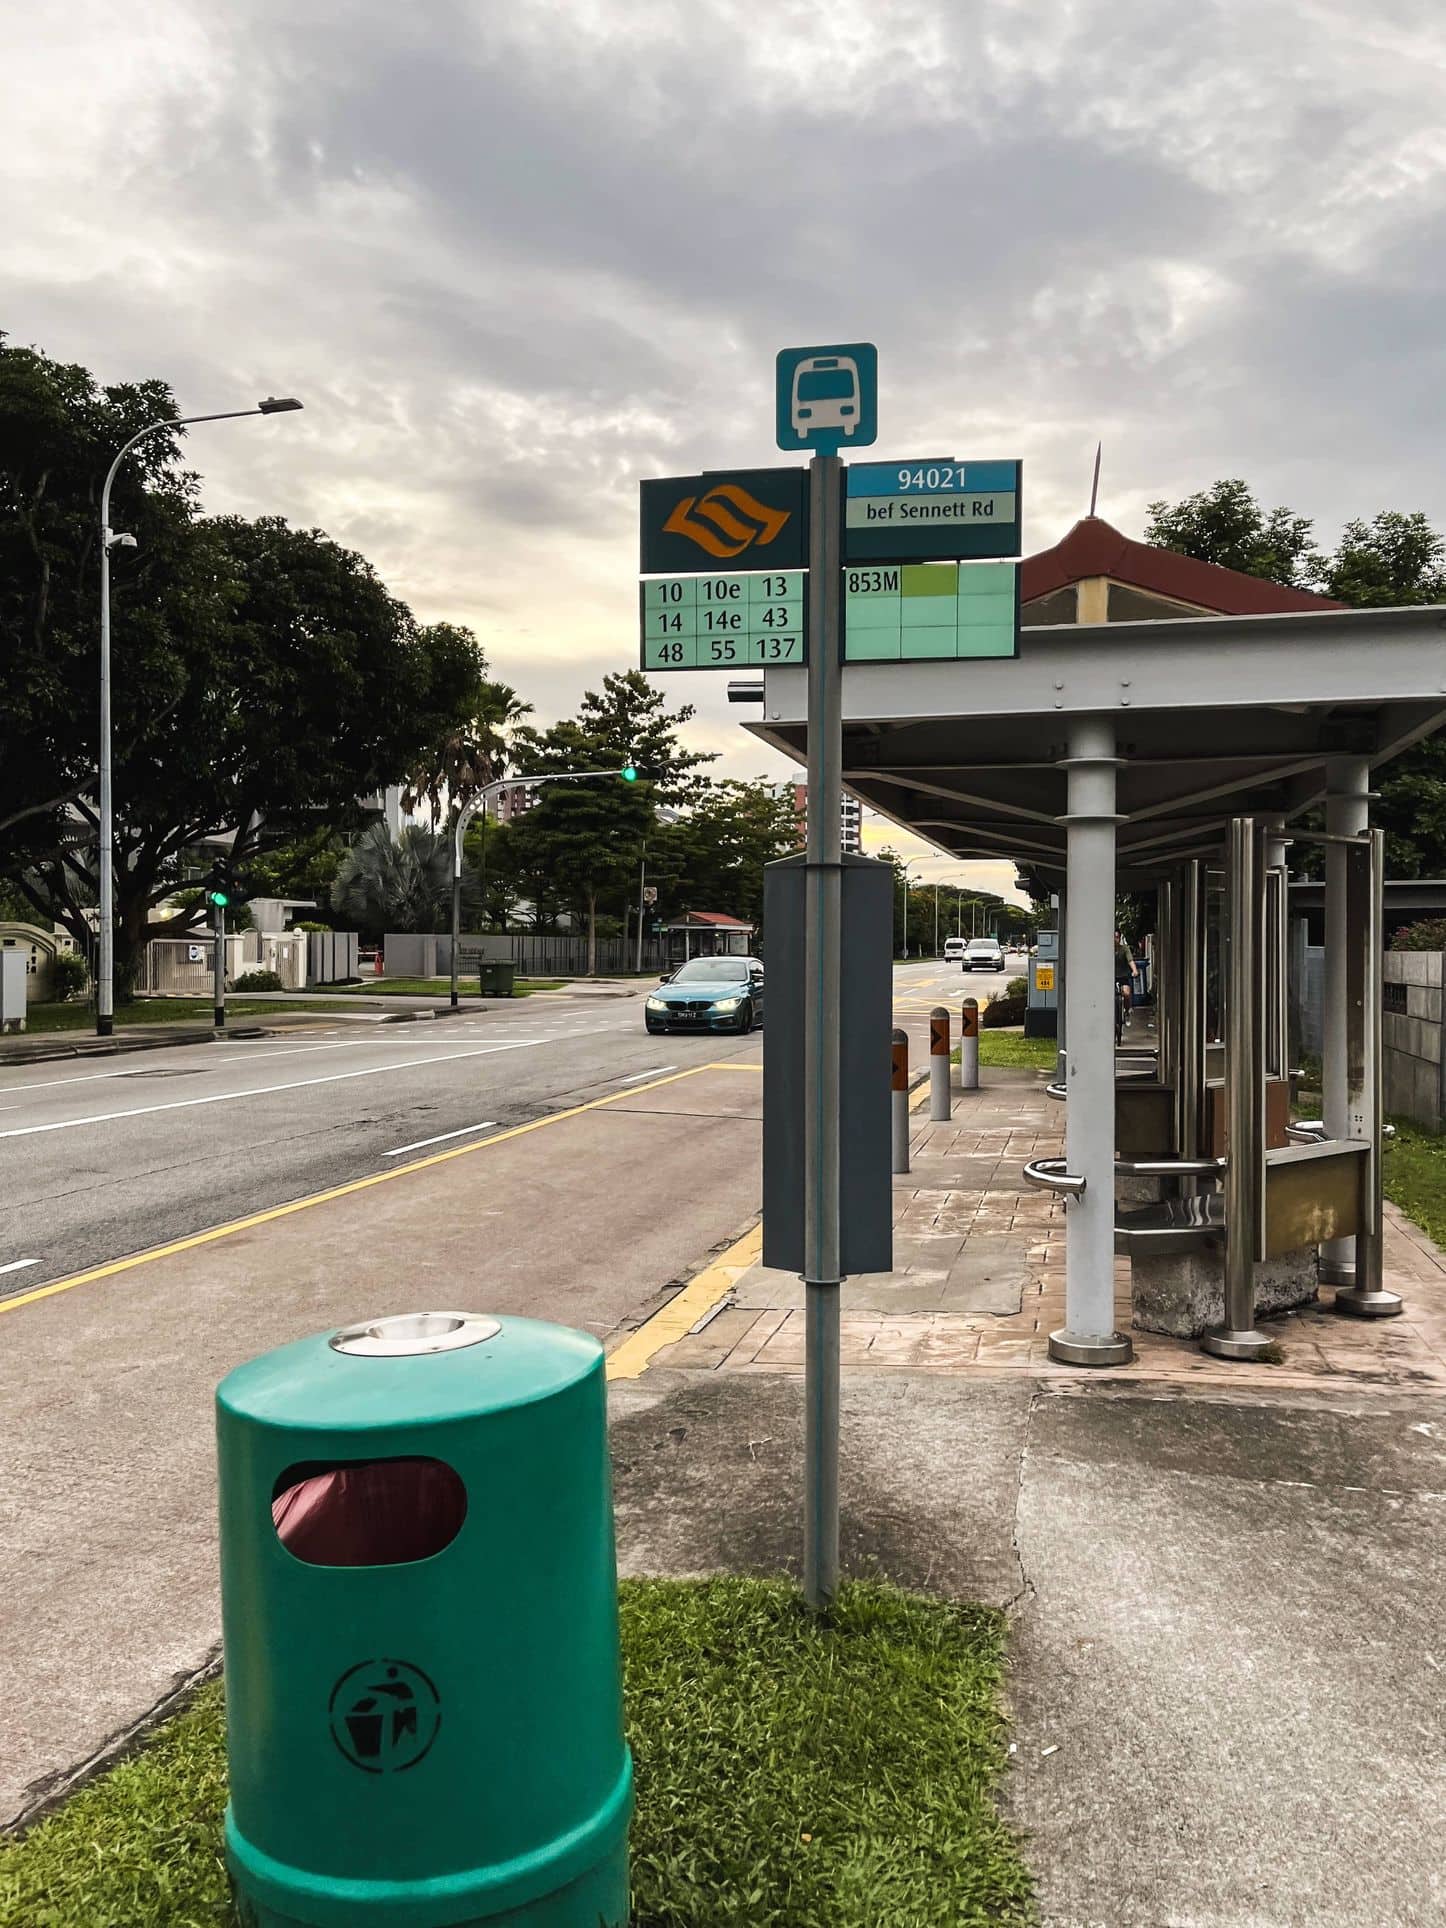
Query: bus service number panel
(912, 611)
(723, 622)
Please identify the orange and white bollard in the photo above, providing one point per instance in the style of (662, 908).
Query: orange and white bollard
(900, 1101)
(969, 1045)
(939, 1102)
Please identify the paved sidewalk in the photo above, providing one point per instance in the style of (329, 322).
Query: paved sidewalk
(979, 1281)
(1226, 1581)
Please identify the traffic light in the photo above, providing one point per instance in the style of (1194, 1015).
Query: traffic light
(630, 771)
(215, 895)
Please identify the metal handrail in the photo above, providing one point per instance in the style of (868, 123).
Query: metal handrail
(1169, 1167)
(1312, 1131)
(1049, 1175)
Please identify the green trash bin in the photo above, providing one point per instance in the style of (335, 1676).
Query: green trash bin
(419, 1601)
(498, 980)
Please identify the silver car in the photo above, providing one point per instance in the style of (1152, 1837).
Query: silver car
(983, 954)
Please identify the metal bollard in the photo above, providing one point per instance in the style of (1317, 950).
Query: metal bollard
(900, 1110)
(969, 1045)
(939, 1104)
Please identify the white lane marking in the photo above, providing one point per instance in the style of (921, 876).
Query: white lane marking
(18, 1265)
(258, 1091)
(656, 1071)
(253, 1057)
(460, 1132)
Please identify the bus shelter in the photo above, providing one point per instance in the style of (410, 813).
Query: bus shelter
(1181, 757)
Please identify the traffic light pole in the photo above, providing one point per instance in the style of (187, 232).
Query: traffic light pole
(218, 911)
(823, 946)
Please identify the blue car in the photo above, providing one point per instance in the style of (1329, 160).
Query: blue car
(709, 994)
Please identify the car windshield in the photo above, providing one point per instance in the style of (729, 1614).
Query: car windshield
(711, 970)
(983, 944)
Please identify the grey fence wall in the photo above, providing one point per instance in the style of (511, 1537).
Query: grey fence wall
(1414, 1062)
(1411, 1034)
(331, 956)
(536, 954)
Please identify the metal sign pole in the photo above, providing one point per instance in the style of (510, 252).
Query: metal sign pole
(821, 1035)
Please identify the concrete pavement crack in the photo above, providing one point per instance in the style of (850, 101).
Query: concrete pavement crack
(1024, 1592)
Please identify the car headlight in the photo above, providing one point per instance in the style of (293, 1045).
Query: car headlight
(657, 1004)
(727, 1003)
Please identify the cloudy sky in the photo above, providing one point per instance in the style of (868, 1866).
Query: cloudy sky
(515, 254)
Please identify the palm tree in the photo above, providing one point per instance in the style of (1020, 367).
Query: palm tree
(403, 886)
(470, 758)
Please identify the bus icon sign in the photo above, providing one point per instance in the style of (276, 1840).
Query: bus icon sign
(828, 397)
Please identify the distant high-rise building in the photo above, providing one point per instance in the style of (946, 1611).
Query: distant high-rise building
(851, 816)
(515, 801)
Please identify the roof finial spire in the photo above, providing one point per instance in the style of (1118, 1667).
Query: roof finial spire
(1095, 484)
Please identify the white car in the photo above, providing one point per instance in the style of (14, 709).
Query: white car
(983, 954)
(954, 949)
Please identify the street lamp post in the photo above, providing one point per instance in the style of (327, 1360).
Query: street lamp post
(904, 873)
(105, 962)
(628, 773)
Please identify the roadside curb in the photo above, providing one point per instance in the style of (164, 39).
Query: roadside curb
(123, 1047)
(702, 1295)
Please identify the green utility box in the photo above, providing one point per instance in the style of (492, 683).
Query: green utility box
(497, 980)
(419, 1598)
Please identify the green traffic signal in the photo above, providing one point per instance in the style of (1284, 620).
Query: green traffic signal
(217, 897)
(630, 772)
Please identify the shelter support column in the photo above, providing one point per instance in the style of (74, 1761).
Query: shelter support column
(1348, 780)
(1088, 1337)
(1239, 1337)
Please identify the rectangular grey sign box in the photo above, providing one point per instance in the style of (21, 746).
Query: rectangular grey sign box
(866, 1229)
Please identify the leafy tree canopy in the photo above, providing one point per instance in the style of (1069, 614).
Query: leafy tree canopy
(1225, 524)
(260, 672)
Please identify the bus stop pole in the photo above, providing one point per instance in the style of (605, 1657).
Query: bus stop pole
(823, 944)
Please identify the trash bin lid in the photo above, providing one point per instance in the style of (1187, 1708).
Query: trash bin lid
(404, 1335)
(411, 1369)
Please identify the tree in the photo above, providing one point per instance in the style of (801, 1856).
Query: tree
(383, 886)
(582, 843)
(1395, 559)
(714, 856)
(1225, 524)
(260, 671)
(476, 752)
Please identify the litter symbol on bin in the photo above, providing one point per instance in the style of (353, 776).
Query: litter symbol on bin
(384, 1715)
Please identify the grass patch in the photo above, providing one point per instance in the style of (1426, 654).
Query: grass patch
(160, 1010)
(1012, 1049)
(1414, 1177)
(789, 1775)
(442, 986)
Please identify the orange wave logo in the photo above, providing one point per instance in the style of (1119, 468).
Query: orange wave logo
(725, 521)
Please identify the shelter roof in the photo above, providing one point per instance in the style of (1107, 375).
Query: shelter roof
(713, 920)
(1093, 547)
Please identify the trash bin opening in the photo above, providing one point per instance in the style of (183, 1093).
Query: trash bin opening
(368, 1512)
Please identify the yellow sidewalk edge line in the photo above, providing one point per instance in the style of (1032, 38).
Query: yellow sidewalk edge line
(336, 1191)
(681, 1314)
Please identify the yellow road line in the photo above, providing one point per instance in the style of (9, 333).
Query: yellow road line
(337, 1191)
(736, 1067)
(681, 1314)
